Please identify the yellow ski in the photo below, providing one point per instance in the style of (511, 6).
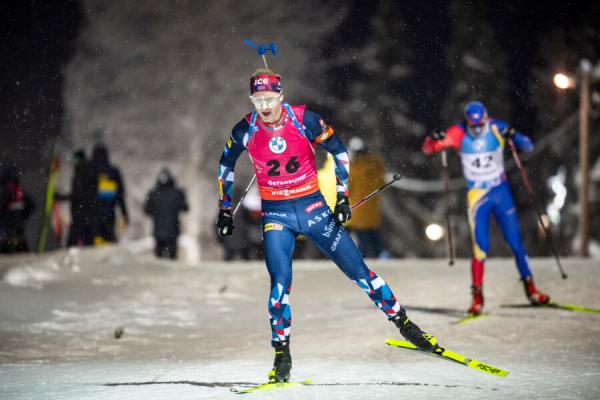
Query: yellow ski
(471, 318)
(270, 386)
(452, 356)
(572, 307)
(560, 306)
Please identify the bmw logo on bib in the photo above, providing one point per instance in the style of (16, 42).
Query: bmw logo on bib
(479, 145)
(277, 144)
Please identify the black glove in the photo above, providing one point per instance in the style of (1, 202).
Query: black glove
(438, 135)
(509, 132)
(342, 211)
(224, 223)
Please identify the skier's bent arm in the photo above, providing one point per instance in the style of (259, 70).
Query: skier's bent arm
(342, 163)
(317, 131)
(342, 171)
(522, 142)
(452, 139)
(233, 148)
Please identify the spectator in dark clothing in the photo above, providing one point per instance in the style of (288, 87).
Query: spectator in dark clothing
(83, 201)
(164, 203)
(110, 193)
(16, 206)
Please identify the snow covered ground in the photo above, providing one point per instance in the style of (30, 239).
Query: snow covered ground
(192, 332)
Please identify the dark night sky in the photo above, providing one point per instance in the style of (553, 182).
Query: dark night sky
(519, 26)
(38, 38)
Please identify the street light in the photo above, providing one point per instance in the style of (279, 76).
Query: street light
(434, 232)
(564, 81)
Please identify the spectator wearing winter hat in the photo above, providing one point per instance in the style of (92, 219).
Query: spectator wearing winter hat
(163, 204)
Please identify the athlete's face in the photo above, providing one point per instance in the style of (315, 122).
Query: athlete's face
(268, 105)
(478, 129)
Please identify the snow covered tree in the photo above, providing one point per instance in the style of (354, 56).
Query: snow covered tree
(162, 83)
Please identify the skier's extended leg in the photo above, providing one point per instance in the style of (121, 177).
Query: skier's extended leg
(477, 268)
(279, 246)
(508, 221)
(479, 209)
(336, 243)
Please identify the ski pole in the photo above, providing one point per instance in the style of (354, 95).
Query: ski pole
(536, 205)
(237, 207)
(447, 206)
(395, 178)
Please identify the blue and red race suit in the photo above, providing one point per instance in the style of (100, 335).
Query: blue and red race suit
(292, 204)
(483, 167)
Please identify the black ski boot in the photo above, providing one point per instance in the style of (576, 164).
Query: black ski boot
(414, 334)
(282, 363)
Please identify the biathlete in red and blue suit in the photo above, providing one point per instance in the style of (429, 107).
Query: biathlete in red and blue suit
(480, 142)
(281, 139)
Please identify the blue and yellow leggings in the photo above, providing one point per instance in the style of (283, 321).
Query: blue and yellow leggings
(499, 201)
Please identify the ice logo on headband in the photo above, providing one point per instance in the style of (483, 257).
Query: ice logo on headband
(277, 144)
(265, 82)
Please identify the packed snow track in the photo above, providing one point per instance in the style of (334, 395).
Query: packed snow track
(108, 324)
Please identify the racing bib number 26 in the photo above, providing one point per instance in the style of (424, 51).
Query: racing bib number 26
(291, 166)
